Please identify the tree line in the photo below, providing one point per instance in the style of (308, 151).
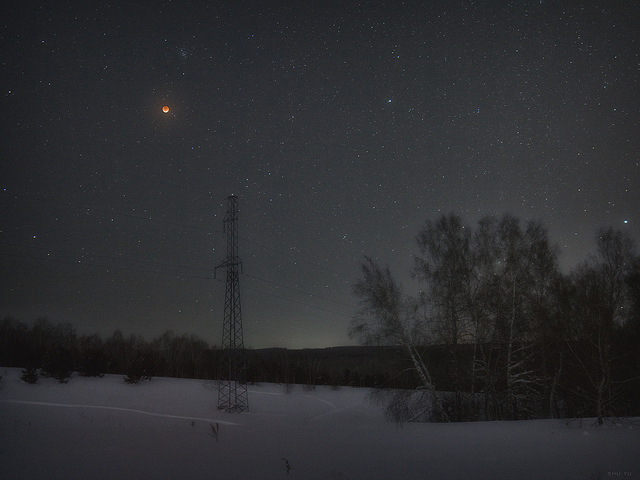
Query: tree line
(497, 332)
(522, 339)
(57, 350)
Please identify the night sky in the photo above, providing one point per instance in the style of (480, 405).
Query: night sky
(340, 126)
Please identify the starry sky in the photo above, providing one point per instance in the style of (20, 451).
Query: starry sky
(340, 126)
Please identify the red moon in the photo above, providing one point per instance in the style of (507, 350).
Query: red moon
(165, 109)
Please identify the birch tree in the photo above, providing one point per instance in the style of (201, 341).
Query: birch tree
(515, 268)
(387, 317)
(445, 268)
(602, 306)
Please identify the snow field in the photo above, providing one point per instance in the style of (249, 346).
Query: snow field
(102, 428)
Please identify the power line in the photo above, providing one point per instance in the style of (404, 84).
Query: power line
(181, 275)
(175, 224)
(129, 259)
(298, 302)
(100, 255)
(300, 255)
(109, 212)
(299, 291)
(100, 265)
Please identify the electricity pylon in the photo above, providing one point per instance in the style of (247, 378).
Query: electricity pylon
(232, 393)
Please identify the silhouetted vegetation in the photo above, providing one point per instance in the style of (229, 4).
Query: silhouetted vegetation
(515, 337)
(57, 350)
(30, 375)
(499, 333)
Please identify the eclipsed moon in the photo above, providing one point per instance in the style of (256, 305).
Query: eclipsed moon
(165, 109)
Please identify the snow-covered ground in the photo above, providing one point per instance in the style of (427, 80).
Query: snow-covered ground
(92, 428)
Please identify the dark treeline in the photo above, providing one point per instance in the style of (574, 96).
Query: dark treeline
(517, 337)
(498, 327)
(57, 350)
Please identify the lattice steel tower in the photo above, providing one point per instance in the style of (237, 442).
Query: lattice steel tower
(232, 394)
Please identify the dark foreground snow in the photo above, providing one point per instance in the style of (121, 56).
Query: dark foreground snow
(102, 428)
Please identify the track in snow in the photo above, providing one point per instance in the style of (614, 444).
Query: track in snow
(120, 409)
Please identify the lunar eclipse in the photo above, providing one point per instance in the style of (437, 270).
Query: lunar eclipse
(522, 107)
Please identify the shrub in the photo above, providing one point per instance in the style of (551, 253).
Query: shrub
(59, 364)
(92, 364)
(215, 429)
(29, 375)
(137, 370)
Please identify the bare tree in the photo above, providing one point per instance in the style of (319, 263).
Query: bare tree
(602, 306)
(446, 269)
(512, 274)
(388, 317)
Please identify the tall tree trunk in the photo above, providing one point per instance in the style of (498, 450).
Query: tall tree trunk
(552, 393)
(510, 392)
(423, 372)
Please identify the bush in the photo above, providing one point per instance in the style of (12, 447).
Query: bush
(92, 364)
(29, 375)
(59, 364)
(137, 370)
